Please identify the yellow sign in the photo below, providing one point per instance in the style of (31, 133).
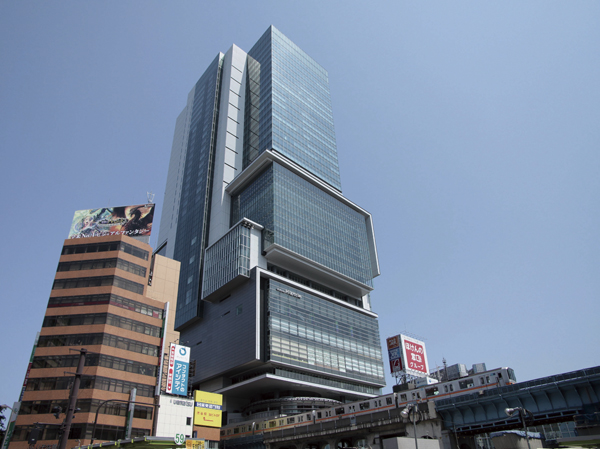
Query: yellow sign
(194, 444)
(207, 409)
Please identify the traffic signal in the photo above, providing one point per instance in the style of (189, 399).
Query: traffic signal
(35, 434)
(56, 411)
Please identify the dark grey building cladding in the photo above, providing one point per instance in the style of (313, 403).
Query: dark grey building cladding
(226, 339)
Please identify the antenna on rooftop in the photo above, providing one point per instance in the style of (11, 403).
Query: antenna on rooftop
(150, 197)
(412, 335)
(445, 368)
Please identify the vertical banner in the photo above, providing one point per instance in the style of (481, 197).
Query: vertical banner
(163, 342)
(37, 337)
(179, 367)
(395, 355)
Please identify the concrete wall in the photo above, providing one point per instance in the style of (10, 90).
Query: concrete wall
(409, 443)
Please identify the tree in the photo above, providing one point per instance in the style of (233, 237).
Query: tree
(2, 423)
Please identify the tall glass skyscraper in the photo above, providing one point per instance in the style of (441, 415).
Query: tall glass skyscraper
(276, 264)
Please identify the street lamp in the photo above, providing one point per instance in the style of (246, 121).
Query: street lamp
(411, 410)
(523, 412)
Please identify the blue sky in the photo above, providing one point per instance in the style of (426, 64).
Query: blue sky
(470, 130)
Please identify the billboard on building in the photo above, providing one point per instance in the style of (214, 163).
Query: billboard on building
(173, 416)
(414, 356)
(395, 355)
(179, 368)
(207, 409)
(124, 220)
(407, 356)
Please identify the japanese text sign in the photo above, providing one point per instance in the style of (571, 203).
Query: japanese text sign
(414, 356)
(207, 409)
(178, 370)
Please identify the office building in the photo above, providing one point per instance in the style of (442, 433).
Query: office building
(276, 264)
(109, 297)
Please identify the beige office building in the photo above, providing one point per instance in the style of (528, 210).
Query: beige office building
(110, 297)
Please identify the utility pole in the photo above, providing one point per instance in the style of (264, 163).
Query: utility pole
(72, 400)
(130, 411)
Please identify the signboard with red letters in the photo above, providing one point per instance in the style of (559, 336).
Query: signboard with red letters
(393, 344)
(414, 356)
(407, 356)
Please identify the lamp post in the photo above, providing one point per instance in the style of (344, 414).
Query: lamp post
(523, 412)
(411, 410)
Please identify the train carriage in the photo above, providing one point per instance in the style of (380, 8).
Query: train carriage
(441, 390)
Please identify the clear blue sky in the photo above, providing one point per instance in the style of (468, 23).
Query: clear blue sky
(470, 130)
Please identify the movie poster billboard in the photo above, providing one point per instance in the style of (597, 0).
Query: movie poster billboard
(414, 356)
(124, 220)
(208, 409)
(179, 368)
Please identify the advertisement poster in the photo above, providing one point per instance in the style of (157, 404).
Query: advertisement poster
(179, 368)
(125, 220)
(395, 355)
(207, 409)
(414, 356)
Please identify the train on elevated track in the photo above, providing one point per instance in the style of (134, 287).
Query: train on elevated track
(473, 383)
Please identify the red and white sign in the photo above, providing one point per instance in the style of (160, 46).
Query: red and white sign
(393, 344)
(395, 366)
(414, 356)
(171, 368)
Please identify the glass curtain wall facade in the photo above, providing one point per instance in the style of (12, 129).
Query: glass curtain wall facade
(306, 220)
(194, 208)
(226, 259)
(276, 265)
(307, 332)
(295, 90)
